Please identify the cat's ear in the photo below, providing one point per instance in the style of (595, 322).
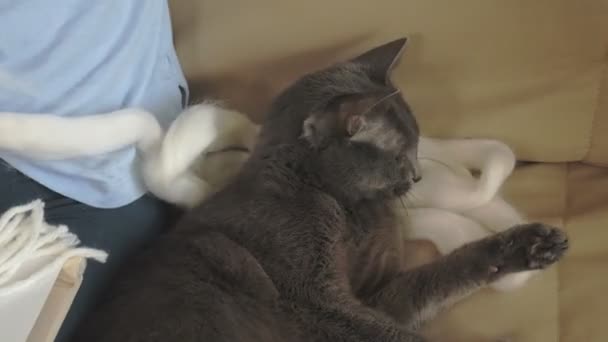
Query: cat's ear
(345, 117)
(318, 129)
(381, 60)
(351, 112)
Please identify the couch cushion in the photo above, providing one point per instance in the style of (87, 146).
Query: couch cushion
(566, 302)
(583, 279)
(532, 313)
(526, 72)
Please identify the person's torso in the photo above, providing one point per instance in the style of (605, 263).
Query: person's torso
(74, 58)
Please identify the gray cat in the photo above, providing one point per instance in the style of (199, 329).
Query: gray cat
(303, 244)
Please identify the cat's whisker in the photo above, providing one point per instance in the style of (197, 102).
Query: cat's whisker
(404, 206)
(411, 200)
(397, 91)
(410, 194)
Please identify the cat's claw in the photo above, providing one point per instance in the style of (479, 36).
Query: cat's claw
(549, 245)
(532, 246)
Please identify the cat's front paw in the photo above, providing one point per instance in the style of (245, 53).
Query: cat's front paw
(530, 247)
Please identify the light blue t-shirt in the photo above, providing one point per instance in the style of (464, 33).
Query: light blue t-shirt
(79, 57)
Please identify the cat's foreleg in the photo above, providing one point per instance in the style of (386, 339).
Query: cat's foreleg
(498, 215)
(448, 231)
(414, 296)
(327, 311)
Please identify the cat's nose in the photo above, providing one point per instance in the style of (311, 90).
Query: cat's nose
(416, 178)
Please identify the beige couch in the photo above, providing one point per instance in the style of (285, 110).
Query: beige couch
(531, 73)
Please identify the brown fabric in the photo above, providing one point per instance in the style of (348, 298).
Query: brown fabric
(526, 72)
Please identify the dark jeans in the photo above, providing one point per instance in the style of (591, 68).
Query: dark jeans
(119, 231)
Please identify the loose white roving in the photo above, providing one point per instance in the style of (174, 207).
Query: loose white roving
(165, 158)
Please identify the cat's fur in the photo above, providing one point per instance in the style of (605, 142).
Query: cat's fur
(303, 244)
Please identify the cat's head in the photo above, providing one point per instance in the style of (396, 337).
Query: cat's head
(356, 121)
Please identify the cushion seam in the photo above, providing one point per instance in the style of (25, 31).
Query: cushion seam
(601, 87)
(566, 218)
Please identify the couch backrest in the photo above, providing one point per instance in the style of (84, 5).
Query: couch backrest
(532, 73)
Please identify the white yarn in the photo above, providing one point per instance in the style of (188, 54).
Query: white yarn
(25, 236)
(166, 160)
(52, 137)
(170, 170)
(449, 162)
